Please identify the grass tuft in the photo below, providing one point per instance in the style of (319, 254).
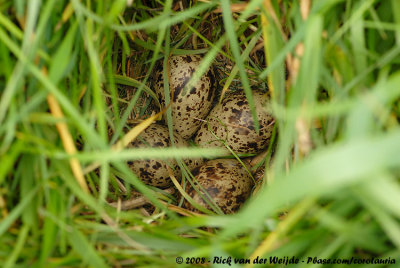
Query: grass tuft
(75, 74)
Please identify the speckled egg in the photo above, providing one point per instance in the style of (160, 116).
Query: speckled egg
(225, 180)
(187, 109)
(154, 172)
(231, 121)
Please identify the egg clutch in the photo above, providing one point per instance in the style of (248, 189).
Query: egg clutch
(225, 183)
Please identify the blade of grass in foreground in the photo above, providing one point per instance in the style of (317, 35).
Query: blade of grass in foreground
(303, 93)
(356, 212)
(384, 190)
(127, 138)
(230, 30)
(235, 69)
(13, 84)
(84, 248)
(135, 154)
(8, 160)
(273, 44)
(49, 85)
(396, 15)
(326, 171)
(23, 233)
(49, 228)
(16, 212)
(93, 203)
(388, 223)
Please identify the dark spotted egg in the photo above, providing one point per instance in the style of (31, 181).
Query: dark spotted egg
(187, 109)
(231, 121)
(154, 172)
(225, 180)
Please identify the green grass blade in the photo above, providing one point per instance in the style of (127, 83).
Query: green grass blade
(230, 30)
(62, 56)
(85, 249)
(17, 211)
(18, 247)
(331, 169)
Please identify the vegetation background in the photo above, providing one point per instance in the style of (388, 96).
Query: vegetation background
(331, 182)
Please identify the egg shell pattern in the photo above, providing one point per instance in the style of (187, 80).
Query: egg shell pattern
(225, 180)
(237, 127)
(187, 108)
(154, 172)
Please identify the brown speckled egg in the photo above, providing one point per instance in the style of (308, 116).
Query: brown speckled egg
(187, 108)
(225, 180)
(154, 172)
(231, 121)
